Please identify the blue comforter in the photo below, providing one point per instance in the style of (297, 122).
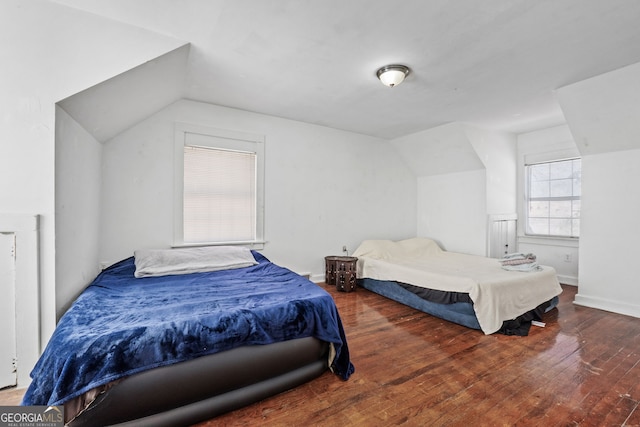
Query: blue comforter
(121, 325)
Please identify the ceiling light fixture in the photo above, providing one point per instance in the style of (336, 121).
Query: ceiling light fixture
(392, 75)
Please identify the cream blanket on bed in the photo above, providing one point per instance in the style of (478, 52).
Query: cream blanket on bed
(497, 294)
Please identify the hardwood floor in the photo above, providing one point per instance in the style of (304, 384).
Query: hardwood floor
(412, 369)
(10, 396)
(415, 370)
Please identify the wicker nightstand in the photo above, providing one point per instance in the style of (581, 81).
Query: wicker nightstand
(340, 271)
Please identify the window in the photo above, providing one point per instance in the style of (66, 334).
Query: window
(219, 195)
(553, 198)
(219, 187)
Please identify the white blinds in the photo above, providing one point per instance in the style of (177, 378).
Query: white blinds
(219, 195)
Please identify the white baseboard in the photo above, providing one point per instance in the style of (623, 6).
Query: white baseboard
(619, 307)
(317, 278)
(568, 280)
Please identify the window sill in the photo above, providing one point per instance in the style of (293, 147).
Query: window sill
(251, 244)
(570, 242)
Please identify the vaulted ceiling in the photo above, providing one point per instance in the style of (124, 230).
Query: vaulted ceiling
(495, 64)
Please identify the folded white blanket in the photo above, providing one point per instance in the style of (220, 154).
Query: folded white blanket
(518, 255)
(162, 262)
(525, 267)
(518, 258)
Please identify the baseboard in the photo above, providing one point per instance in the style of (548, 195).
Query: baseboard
(618, 307)
(568, 280)
(316, 278)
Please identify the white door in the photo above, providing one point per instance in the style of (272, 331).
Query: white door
(8, 375)
(503, 238)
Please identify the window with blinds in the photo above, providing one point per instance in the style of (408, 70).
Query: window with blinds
(553, 198)
(219, 195)
(219, 187)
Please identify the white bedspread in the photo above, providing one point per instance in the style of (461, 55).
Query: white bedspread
(497, 294)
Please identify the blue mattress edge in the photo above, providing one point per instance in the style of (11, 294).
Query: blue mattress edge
(461, 313)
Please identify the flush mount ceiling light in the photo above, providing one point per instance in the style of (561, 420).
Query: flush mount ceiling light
(392, 75)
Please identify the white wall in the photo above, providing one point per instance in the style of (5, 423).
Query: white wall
(610, 232)
(602, 113)
(497, 151)
(78, 162)
(50, 52)
(324, 188)
(452, 210)
(561, 254)
(464, 175)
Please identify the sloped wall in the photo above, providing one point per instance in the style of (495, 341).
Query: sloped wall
(108, 108)
(52, 52)
(603, 112)
(464, 174)
(440, 150)
(83, 121)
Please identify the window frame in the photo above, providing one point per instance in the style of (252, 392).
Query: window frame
(527, 198)
(226, 140)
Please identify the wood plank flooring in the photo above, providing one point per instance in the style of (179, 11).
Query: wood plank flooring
(412, 369)
(582, 369)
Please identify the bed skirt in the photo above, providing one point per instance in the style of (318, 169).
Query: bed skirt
(201, 389)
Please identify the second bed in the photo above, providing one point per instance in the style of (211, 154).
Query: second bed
(470, 290)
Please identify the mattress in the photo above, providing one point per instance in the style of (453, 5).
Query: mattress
(201, 389)
(122, 325)
(459, 312)
(497, 295)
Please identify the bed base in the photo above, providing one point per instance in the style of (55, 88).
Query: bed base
(461, 313)
(203, 388)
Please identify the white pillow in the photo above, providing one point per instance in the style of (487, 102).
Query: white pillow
(162, 262)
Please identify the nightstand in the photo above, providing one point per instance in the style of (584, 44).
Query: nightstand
(340, 271)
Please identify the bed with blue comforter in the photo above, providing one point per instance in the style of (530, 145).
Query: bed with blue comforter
(121, 325)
